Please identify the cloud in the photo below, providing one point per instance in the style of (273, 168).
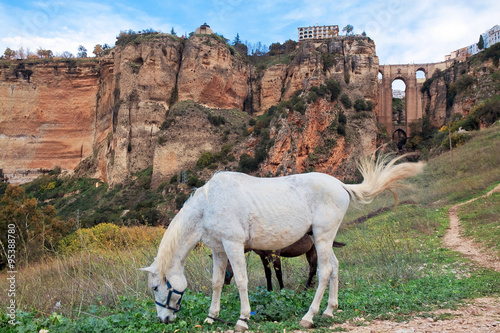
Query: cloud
(404, 31)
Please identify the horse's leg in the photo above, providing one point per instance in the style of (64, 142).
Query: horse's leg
(220, 262)
(325, 262)
(277, 267)
(267, 270)
(235, 253)
(333, 301)
(312, 259)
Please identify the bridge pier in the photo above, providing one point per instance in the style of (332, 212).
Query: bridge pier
(413, 95)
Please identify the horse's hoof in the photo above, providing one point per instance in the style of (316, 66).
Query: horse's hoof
(240, 328)
(305, 323)
(208, 321)
(327, 315)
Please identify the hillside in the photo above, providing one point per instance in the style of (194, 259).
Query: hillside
(395, 271)
(116, 116)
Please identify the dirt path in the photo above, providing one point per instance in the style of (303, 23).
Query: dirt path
(469, 248)
(481, 315)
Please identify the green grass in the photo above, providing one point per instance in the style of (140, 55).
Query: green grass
(481, 221)
(394, 265)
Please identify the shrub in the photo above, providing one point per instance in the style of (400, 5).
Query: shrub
(174, 179)
(312, 97)
(194, 181)
(464, 82)
(457, 139)
(180, 199)
(346, 101)
(360, 104)
(216, 120)
(247, 164)
(107, 236)
(205, 160)
(341, 129)
(369, 106)
(334, 88)
(342, 119)
(489, 111)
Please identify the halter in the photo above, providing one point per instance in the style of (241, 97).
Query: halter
(170, 292)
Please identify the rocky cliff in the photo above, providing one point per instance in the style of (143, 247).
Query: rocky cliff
(457, 89)
(119, 115)
(47, 115)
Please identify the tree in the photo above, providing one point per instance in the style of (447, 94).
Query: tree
(237, 40)
(35, 229)
(289, 46)
(348, 29)
(275, 49)
(480, 44)
(82, 52)
(172, 32)
(10, 54)
(21, 53)
(98, 51)
(67, 54)
(44, 54)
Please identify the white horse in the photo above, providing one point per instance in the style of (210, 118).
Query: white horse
(234, 211)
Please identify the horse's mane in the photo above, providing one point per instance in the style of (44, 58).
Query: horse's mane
(168, 244)
(171, 239)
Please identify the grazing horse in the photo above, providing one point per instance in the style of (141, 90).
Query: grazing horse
(304, 245)
(234, 211)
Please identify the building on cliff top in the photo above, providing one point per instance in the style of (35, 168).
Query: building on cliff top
(490, 37)
(204, 29)
(318, 32)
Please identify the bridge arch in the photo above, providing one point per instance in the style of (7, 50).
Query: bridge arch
(413, 95)
(399, 137)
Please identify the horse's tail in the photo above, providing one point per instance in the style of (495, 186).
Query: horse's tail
(380, 174)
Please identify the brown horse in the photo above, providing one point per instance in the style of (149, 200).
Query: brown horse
(304, 245)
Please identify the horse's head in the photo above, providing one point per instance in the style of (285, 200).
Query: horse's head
(168, 292)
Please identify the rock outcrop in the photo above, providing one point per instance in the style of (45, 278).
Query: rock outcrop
(47, 115)
(116, 114)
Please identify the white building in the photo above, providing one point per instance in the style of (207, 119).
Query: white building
(396, 93)
(318, 32)
(473, 49)
(491, 36)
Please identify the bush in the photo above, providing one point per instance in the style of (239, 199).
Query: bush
(457, 139)
(205, 160)
(346, 101)
(194, 181)
(341, 129)
(342, 119)
(334, 88)
(216, 120)
(247, 164)
(180, 199)
(312, 97)
(107, 236)
(360, 104)
(464, 82)
(489, 111)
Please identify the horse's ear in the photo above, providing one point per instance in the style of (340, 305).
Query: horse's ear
(149, 269)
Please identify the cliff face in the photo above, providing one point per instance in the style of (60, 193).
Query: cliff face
(119, 115)
(47, 115)
(457, 89)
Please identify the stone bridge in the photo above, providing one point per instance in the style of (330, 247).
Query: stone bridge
(399, 128)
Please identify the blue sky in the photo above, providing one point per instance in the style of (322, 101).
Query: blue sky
(404, 31)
